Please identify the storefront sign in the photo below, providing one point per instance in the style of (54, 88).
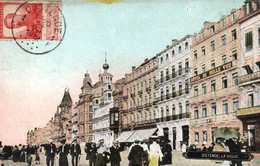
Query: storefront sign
(212, 72)
(249, 77)
(218, 156)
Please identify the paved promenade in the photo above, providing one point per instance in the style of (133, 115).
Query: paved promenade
(178, 160)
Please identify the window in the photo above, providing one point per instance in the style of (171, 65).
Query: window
(196, 113)
(203, 50)
(205, 137)
(161, 59)
(234, 34)
(204, 88)
(235, 79)
(213, 86)
(187, 107)
(161, 74)
(167, 111)
(203, 68)
(235, 104)
(225, 107)
(213, 65)
(224, 82)
(161, 112)
(212, 29)
(249, 41)
(109, 87)
(173, 110)
(224, 40)
(179, 49)
(167, 57)
(186, 63)
(167, 74)
(204, 111)
(195, 71)
(224, 23)
(180, 108)
(186, 46)
(180, 68)
(196, 91)
(109, 96)
(224, 59)
(251, 100)
(196, 137)
(173, 53)
(195, 55)
(173, 71)
(214, 109)
(234, 55)
(234, 16)
(213, 47)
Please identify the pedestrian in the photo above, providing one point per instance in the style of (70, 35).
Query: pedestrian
(210, 149)
(147, 157)
(92, 154)
(221, 147)
(75, 152)
(50, 151)
(23, 152)
(156, 153)
(63, 151)
(102, 154)
(87, 149)
(16, 154)
(162, 146)
(234, 146)
(168, 153)
(37, 156)
(136, 154)
(29, 155)
(115, 157)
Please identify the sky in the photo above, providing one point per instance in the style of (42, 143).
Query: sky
(32, 86)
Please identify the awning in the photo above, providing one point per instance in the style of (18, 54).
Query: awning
(141, 134)
(124, 136)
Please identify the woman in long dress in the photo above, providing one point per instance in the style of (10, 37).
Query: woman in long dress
(156, 154)
(63, 151)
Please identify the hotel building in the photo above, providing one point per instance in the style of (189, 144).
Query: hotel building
(172, 88)
(214, 83)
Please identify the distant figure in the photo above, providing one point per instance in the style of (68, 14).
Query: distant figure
(115, 157)
(37, 156)
(87, 149)
(204, 149)
(75, 152)
(168, 153)
(63, 151)
(92, 150)
(136, 154)
(210, 149)
(184, 147)
(50, 151)
(156, 153)
(103, 152)
(23, 152)
(16, 154)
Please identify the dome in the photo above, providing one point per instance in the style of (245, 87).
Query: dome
(105, 66)
(87, 79)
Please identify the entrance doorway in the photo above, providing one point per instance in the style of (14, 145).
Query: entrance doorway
(185, 134)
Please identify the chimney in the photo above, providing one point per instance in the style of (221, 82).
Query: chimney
(146, 60)
(174, 41)
(133, 68)
(167, 46)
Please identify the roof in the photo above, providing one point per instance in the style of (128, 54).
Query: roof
(66, 100)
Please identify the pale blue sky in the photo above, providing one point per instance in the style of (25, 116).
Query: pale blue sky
(32, 86)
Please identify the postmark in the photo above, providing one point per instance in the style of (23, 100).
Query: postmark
(36, 27)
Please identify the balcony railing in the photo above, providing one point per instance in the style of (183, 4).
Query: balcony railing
(173, 75)
(173, 94)
(173, 117)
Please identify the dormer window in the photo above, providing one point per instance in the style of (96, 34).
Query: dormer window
(212, 29)
(186, 46)
(179, 49)
(173, 53)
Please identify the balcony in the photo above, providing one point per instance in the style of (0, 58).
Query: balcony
(183, 71)
(174, 117)
(148, 89)
(141, 124)
(249, 111)
(140, 92)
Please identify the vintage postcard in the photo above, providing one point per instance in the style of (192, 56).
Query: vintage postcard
(130, 82)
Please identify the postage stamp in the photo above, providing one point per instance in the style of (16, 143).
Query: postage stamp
(37, 27)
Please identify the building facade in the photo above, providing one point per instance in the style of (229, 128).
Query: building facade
(249, 81)
(172, 88)
(139, 107)
(102, 102)
(216, 66)
(75, 122)
(85, 111)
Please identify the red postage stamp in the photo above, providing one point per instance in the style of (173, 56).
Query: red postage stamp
(30, 20)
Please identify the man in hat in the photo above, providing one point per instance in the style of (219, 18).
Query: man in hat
(50, 150)
(102, 152)
(75, 151)
(115, 157)
(136, 154)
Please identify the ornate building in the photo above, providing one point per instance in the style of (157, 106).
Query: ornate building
(85, 111)
(102, 102)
